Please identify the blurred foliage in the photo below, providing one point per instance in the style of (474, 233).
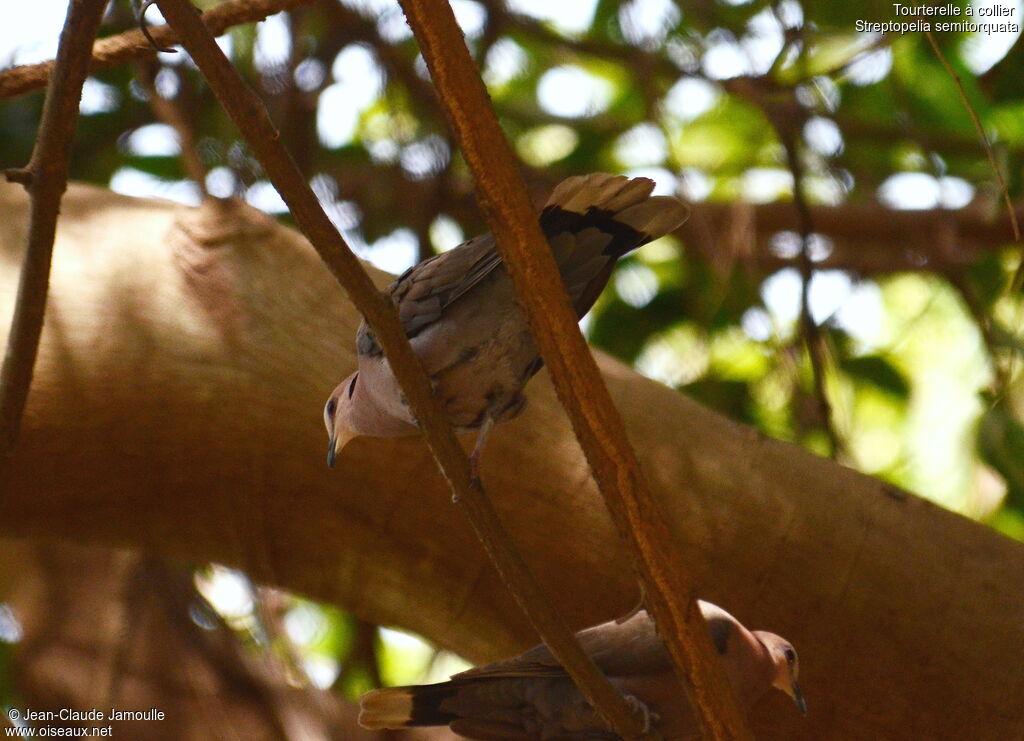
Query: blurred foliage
(694, 96)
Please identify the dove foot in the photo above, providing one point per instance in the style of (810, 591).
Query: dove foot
(478, 449)
(638, 707)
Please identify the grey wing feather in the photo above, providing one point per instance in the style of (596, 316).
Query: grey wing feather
(619, 650)
(590, 221)
(424, 291)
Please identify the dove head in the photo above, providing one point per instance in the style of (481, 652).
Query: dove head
(338, 416)
(787, 666)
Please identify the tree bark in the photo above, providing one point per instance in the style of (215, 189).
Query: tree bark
(176, 407)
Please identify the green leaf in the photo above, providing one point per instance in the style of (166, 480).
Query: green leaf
(1002, 337)
(1000, 442)
(827, 52)
(168, 168)
(623, 330)
(1010, 522)
(987, 278)
(1008, 121)
(731, 398)
(732, 136)
(879, 372)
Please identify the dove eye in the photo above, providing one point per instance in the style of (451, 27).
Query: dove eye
(332, 406)
(790, 654)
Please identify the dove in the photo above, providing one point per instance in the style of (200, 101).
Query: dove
(532, 697)
(460, 314)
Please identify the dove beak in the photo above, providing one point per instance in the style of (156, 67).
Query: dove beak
(332, 451)
(341, 437)
(798, 697)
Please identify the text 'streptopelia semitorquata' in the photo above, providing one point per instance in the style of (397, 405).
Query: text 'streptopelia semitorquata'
(532, 697)
(460, 314)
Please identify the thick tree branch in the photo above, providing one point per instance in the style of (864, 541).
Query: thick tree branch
(866, 238)
(46, 178)
(176, 404)
(252, 119)
(131, 45)
(670, 591)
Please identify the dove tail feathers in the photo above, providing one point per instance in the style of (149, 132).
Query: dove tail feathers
(621, 208)
(401, 707)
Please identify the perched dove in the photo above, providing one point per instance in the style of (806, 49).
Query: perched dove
(531, 696)
(460, 314)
